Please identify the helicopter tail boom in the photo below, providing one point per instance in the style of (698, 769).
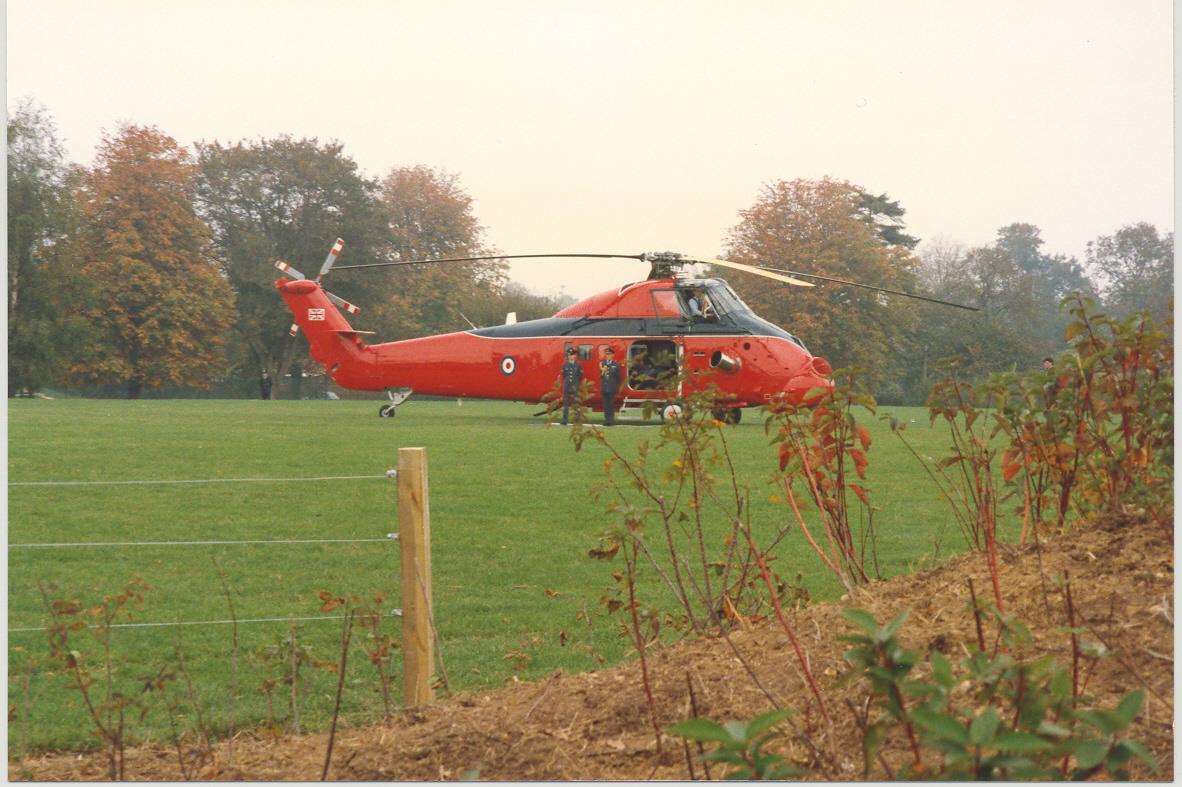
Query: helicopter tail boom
(332, 342)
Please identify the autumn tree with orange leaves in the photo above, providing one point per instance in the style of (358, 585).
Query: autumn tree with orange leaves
(161, 309)
(825, 227)
(429, 215)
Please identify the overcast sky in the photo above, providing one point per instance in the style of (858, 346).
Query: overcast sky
(639, 125)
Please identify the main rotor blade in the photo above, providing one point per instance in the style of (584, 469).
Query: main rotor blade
(879, 289)
(751, 269)
(777, 274)
(491, 257)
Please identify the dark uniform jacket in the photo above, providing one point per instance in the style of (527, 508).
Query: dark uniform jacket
(609, 375)
(572, 375)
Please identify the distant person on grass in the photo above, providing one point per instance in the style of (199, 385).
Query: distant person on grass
(1051, 389)
(609, 383)
(572, 376)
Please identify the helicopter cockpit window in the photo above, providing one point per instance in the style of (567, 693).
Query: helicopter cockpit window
(697, 305)
(726, 302)
(665, 304)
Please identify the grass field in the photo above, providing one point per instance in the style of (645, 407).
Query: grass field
(511, 519)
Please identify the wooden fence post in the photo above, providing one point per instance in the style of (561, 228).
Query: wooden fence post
(414, 535)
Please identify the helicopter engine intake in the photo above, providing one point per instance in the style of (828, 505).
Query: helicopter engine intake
(724, 363)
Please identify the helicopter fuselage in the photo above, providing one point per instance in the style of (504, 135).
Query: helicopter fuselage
(671, 336)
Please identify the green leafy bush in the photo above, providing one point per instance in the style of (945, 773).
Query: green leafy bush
(984, 717)
(740, 745)
(988, 716)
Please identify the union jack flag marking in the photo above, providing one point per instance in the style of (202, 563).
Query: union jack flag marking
(315, 314)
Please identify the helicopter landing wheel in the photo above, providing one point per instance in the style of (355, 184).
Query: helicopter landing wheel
(386, 411)
(728, 415)
(671, 412)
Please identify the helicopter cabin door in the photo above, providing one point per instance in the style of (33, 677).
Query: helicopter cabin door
(652, 367)
(666, 353)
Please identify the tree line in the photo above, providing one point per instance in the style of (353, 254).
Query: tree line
(902, 346)
(149, 270)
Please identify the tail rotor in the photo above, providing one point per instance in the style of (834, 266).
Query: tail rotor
(329, 261)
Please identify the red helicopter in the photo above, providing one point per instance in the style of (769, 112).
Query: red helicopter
(671, 326)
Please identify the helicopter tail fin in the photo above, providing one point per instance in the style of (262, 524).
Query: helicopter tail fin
(331, 340)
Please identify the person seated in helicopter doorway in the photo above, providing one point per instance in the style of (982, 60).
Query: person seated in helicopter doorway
(572, 375)
(609, 384)
(640, 372)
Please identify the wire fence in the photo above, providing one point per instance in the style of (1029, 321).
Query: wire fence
(225, 622)
(73, 544)
(49, 545)
(153, 481)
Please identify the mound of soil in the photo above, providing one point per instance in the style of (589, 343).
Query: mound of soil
(596, 726)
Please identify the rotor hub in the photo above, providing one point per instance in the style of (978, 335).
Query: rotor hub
(665, 264)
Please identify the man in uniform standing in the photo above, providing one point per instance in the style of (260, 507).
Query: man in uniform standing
(572, 375)
(609, 383)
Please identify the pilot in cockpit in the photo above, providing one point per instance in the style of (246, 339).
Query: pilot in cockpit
(699, 306)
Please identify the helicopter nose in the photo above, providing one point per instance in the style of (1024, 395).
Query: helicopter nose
(807, 389)
(811, 384)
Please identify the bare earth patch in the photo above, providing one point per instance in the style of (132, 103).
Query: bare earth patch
(595, 725)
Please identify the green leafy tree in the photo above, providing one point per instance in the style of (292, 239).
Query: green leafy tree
(44, 290)
(1137, 265)
(162, 309)
(288, 199)
(1017, 286)
(823, 226)
(1022, 285)
(978, 343)
(886, 216)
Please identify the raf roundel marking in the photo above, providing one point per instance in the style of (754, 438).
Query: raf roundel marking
(508, 365)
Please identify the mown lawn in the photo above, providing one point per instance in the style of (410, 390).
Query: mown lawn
(511, 519)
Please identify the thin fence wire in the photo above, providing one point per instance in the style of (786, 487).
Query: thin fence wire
(226, 622)
(73, 544)
(200, 480)
(219, 542)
